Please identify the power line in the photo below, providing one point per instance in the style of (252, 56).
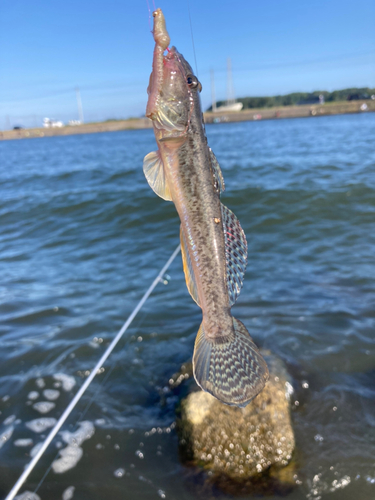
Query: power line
(304, 62)
(79, 104)
(71, 90)
(248, 68)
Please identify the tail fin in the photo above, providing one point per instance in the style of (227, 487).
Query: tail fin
(234, 371)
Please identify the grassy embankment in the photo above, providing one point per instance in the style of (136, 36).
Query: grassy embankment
(277, 112)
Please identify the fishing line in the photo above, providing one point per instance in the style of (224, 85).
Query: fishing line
(192, 37)
(89, 404)
(93, 397)
(89, 379)
(80, 418)
(149, 15)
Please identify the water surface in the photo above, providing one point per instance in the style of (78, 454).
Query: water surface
(81, 238)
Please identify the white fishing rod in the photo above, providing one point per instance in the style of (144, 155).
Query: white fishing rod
(89, 379)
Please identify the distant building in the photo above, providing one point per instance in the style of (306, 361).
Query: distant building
(50, 123)
(228, 108)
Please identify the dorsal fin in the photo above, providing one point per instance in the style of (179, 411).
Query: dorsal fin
(188, 268)
(235, 252)
(153, 169)
(218, 176)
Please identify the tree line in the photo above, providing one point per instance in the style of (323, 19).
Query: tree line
(302, 97)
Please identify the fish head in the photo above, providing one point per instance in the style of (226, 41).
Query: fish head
(171, 97)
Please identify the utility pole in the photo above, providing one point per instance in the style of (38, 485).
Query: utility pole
(213, 91)
(230, 91)
(79, 104)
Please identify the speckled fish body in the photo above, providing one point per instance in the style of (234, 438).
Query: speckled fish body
(184, 170)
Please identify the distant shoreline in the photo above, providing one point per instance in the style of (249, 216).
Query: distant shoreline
(275, 113)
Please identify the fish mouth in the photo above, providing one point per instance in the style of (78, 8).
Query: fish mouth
(170, 101)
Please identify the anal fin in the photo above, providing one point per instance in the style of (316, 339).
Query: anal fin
(188, 269)
(153, 169)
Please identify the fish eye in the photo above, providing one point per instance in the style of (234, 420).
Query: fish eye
(193, 82)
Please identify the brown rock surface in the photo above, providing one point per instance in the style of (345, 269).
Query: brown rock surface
(240, 443)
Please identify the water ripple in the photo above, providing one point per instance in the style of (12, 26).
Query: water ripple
(81, 238)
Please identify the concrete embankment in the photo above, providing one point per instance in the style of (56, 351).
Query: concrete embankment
(304, 111)
(246, 115)
(87, 128)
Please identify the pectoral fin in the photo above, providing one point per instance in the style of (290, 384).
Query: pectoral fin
(188, 269)
(235, 253)
(153, 169)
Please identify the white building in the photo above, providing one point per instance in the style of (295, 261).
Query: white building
(50, 123)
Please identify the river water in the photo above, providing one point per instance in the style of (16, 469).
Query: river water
(81, 238)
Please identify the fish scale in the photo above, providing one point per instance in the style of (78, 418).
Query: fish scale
(226, 361)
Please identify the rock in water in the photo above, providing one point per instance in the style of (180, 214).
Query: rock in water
(241, 444)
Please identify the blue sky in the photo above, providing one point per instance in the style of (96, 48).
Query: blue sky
(47, 48)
